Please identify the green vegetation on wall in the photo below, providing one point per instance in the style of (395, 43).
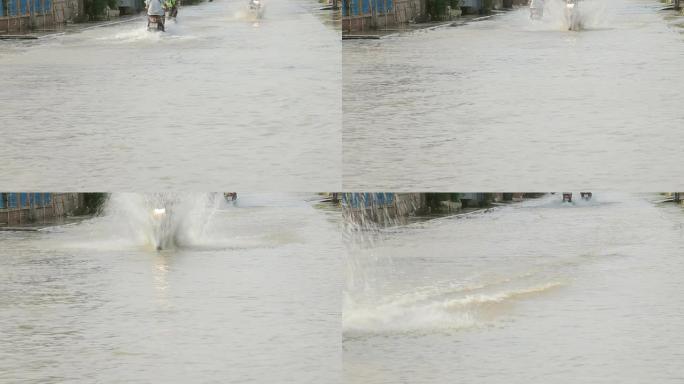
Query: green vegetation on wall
(437, 9)
(97, 9)
(487, 5)
(94, 202)
(433, 200)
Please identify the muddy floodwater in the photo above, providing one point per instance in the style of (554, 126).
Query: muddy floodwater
(249, 294)
(220, 96)
(539, 291)
(515, 102)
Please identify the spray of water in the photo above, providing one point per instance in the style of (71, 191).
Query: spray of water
(585, 15)
(136, 32)
(164, 220)
(372, 304)
(436, 311)
(247, 14)
(365, 224)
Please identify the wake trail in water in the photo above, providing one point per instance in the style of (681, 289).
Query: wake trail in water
(404, 313)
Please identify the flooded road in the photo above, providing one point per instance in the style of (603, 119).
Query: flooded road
(538, 291)
(509, 101)
(220, 96)
(250, 293)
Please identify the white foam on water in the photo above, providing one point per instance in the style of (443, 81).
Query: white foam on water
(593, 14)
(403, 313)
(137, 32)
(183, 223)
(197, 221)
(245, 14)
(129, 220)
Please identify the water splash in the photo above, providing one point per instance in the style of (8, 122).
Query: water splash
(591, 14)
(378, 300)
(138, 33)
(363, 228)
(246, 14)
(419, 313)
(164, 220)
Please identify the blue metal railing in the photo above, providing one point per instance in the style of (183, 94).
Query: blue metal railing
(366, 7)
(366, 200)
(12, 200)
(24, 200)
(25, 7)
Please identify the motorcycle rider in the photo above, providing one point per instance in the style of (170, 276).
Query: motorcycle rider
(536, 9)
(572, 16)
(172, 7)
(155, 8)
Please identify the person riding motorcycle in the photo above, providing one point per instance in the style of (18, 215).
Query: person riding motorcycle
(155, 8)
(572, 15)
(172, 7)
(536, 9)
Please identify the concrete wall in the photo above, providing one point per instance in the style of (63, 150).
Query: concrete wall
(60, 206)
(383, 208)
(355, 19)
(384, 16)
(397, 208)
(67, 10)
(14, 24)
(58, 13)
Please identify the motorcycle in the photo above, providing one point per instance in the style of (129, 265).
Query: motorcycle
(161, 228)
(171, 11)
(567, 197)
(256, 8)
(572, 16)
(155, 22)
(536, 9)
(536, 13)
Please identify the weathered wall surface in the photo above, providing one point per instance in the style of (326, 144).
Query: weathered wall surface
(383, 208)
(359, 15)
(26, 15)
(397, 208)
(19, 208)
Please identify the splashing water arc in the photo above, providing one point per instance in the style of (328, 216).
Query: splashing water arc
(164, 220)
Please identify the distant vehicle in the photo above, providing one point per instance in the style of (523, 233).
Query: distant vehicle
(171, 9)
(160, 227)
(155, 23)
(567, 197)
(230, 196)
(256, 8)
(572, 15)
(155, 15)
(585, 195)
(536, 9)
(162, 220)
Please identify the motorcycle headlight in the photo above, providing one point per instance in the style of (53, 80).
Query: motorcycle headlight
(158, 212)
